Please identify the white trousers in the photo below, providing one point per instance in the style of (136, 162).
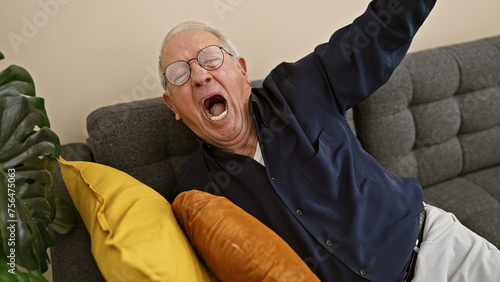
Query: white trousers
(451, 252)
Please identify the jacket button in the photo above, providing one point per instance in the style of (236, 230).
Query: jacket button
(273, 179)
(329, 243)
(298, 211)
(362, 271)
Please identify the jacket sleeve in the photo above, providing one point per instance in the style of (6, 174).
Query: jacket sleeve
(360, 57)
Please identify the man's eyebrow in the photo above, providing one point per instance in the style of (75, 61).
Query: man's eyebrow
(197, 52)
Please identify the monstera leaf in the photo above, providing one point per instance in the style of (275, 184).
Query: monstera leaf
(28, 201)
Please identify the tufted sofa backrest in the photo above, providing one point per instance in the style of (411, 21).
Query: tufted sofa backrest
(438, 117)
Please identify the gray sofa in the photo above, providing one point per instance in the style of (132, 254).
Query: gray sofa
(437, 119)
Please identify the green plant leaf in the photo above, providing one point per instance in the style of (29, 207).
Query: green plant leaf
(65, 216)
(18, 276)
(29, 150)
(2, 56)
(17, 78)
(39, 104)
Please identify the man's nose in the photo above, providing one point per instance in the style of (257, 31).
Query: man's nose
(199, 75)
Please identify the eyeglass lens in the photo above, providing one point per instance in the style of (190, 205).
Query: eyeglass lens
(209, 58)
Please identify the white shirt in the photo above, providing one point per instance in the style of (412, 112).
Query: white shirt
(258, 155)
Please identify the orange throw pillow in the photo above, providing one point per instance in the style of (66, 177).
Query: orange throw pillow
(234, 245)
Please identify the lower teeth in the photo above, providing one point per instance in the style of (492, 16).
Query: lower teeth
(217, 118)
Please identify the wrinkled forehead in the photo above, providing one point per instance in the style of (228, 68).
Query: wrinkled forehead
(186, 45)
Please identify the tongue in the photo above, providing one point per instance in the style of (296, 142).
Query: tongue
(217, 109)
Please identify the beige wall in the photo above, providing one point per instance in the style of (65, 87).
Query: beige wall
(87, 54)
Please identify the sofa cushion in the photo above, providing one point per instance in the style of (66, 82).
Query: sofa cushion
(478, 65)
(385, 125)
(235, 245)
(474, 198)
(432, 79)
(134, 233)
(481, 149)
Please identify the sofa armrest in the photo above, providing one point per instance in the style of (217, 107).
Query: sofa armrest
(71, 259)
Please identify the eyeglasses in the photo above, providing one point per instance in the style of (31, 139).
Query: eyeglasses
(209, 58)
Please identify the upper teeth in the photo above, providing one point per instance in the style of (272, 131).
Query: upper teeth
(219, 117)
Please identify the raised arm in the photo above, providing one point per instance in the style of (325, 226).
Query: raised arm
(360, 57)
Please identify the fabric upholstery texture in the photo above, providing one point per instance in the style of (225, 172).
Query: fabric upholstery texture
(235, 245)
(117, 211)
(438, 119)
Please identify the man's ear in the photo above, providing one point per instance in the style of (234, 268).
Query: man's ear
(168, 100)
(242, 65)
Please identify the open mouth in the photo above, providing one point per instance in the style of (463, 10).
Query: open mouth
(215, 107)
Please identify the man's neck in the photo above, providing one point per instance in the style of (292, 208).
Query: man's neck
(247, 148)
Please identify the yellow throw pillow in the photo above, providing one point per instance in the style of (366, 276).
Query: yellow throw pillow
(134, 233)
(234, 244)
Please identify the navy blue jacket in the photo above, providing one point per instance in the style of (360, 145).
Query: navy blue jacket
(320, 191)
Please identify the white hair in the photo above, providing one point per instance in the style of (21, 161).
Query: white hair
(227, 44)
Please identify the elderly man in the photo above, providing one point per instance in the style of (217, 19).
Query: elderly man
(285, 153)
